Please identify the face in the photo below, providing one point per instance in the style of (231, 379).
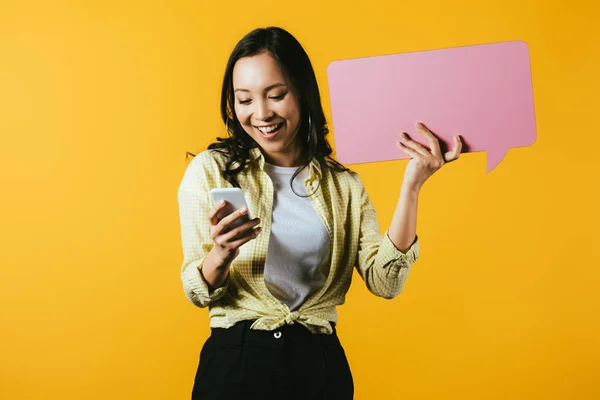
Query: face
(268, 108)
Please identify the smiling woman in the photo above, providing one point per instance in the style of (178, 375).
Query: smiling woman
(268, 109)
(269, 80)
(272, 291)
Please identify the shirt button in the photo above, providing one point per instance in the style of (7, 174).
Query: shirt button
(277, 335)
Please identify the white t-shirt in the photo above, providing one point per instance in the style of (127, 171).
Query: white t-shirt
(298, 256)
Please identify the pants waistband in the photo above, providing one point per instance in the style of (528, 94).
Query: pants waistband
(241, 333)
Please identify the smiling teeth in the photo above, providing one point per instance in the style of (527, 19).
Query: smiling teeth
(268, 129)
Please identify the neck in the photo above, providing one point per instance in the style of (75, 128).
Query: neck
(294, 158)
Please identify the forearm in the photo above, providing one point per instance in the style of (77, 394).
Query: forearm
(214, 270)
(403, 229)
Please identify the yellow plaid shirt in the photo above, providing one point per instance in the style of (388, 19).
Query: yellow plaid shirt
(346, 210)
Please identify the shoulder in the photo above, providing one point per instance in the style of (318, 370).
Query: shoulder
(347, 186)
(208, 158)
(204, 169)
(208, 163)
(348, 178)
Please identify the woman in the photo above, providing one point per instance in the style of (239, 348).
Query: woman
(272, 285)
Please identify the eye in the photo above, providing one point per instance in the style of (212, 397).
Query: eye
(244, 101)
(281, 96)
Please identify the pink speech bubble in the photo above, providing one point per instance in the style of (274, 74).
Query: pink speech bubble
(481, 92)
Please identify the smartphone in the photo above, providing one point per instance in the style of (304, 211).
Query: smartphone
(235, 200)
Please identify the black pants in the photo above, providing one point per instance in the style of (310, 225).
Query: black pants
(289, 363)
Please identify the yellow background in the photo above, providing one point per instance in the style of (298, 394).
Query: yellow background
(100, 100)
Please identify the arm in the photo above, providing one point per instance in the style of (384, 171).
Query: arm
(380, 263)
(423, 164)
(403, 229)
(194, 208)
(384, 263)
(208, 248)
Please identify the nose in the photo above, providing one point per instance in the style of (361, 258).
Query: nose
(263, 111)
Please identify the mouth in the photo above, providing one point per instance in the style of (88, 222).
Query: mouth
(269, 131)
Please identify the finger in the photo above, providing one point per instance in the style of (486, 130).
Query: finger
(455, 152)
(213, 215)
(226, 221)
(434, 143)
(412, 153)
(253, 234)
(241, 231)
(416, 146)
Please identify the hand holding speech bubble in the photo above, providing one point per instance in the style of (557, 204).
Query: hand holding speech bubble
(482, 93)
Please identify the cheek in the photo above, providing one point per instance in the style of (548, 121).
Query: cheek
(242, 115)
(291, 111)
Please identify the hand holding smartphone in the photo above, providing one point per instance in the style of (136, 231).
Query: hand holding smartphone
(235, 200)
(224, 218)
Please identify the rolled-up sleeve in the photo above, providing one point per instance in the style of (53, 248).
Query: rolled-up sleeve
(194, 207)
(381, 265)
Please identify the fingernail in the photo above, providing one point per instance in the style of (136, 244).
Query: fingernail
(244, 210)
(419, 125)
(222, 202)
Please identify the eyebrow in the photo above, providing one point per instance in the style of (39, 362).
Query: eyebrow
(266, 89)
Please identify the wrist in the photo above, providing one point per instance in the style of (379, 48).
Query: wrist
(411, 188)
(218, 261)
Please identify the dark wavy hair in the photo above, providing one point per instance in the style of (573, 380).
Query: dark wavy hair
(296, 65)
